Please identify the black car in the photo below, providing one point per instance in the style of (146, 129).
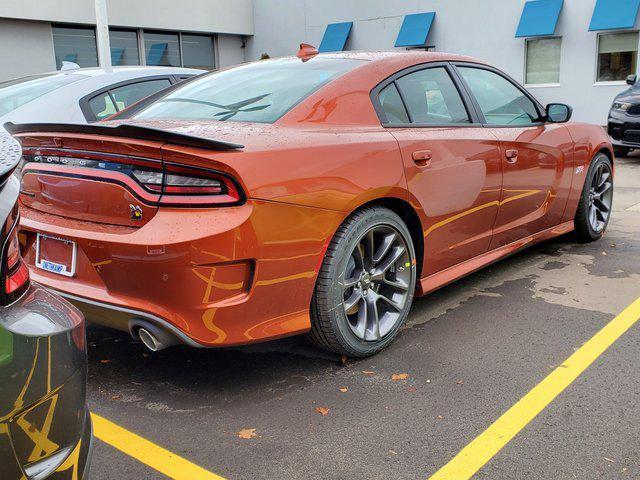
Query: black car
(624, 119)
(45, 427)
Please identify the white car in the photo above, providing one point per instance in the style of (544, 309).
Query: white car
(82, 95)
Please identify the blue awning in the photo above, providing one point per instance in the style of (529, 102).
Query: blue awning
(614, 14)
(415, 29)
(539, 18)
(335, 37)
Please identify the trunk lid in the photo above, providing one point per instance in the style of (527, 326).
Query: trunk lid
(88, 178)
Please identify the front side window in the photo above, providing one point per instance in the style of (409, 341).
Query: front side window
(124, 47)
(162, 49)
(617, 56)
(76, 45)
(432, 97)
(501, 102)
(256, 92)
(16, 93)
(543, 61)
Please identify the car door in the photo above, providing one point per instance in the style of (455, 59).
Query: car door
(452, 164)
(536, 156)
(114, 99)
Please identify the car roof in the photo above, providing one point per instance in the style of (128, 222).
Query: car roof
(405, 55)
(132, 70)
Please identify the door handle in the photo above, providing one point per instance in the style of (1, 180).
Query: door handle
(422, 157)
(511, 155)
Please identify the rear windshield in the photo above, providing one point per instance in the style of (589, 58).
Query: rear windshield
(18, 92)
(256, 92)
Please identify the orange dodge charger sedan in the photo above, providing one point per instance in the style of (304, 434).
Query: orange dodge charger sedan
(313, 194)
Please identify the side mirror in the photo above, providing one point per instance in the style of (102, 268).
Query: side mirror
(558, 113)
(631, 79)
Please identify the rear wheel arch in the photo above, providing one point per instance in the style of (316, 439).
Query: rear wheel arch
(409, 216)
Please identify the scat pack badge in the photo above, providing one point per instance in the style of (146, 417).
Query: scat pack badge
(136, 211)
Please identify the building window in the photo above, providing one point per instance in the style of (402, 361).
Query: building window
(162, 49)
(197, 51)
(124, 47)
(76, 45)
(617, 56)
(179, 50)
(543, 61)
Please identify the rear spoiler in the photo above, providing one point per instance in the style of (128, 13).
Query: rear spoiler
(123, 130)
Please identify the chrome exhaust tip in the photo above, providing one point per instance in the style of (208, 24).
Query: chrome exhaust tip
(151, 336)
(148, 340)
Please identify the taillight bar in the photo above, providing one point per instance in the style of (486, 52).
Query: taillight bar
(176, 185)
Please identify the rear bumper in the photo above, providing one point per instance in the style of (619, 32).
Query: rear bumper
(211, 276)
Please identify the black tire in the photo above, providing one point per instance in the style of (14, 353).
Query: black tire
(330, 327)
(585, 231)
(621, 151)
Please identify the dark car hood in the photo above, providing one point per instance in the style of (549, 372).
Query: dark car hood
(630, 95)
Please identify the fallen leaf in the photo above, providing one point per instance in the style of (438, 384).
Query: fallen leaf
(106, 362)
(440, 417)
(399, 376)
(247, 433)
(324, 411)
(115, 397)
(344, 389)
(344, 359)
(368, 373)
(459, 382)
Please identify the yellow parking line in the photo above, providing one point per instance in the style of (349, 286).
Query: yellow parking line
(484, 447)
(164, 461)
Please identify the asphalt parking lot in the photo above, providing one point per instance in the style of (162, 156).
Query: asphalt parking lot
(468, 354)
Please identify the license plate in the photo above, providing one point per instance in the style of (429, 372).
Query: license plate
(56, 255)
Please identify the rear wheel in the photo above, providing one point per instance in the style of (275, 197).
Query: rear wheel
(621, 151)
(365, 286)
(594, 208)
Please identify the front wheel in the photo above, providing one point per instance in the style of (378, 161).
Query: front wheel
(596, 200)
(365, 286)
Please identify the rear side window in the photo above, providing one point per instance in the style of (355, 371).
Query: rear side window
(432, 98)
(501, 102)
(102, 106)
(108, 103)
(130, 94)
(257, 92)
(392, 105)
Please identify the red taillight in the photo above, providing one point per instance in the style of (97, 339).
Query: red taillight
(185, 190)
(14, 270)
(13, 251)
(172, 185)
(18, 278)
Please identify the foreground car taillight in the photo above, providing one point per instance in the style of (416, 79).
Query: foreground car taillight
(169, 184)
(187, 189)
(15, 274)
